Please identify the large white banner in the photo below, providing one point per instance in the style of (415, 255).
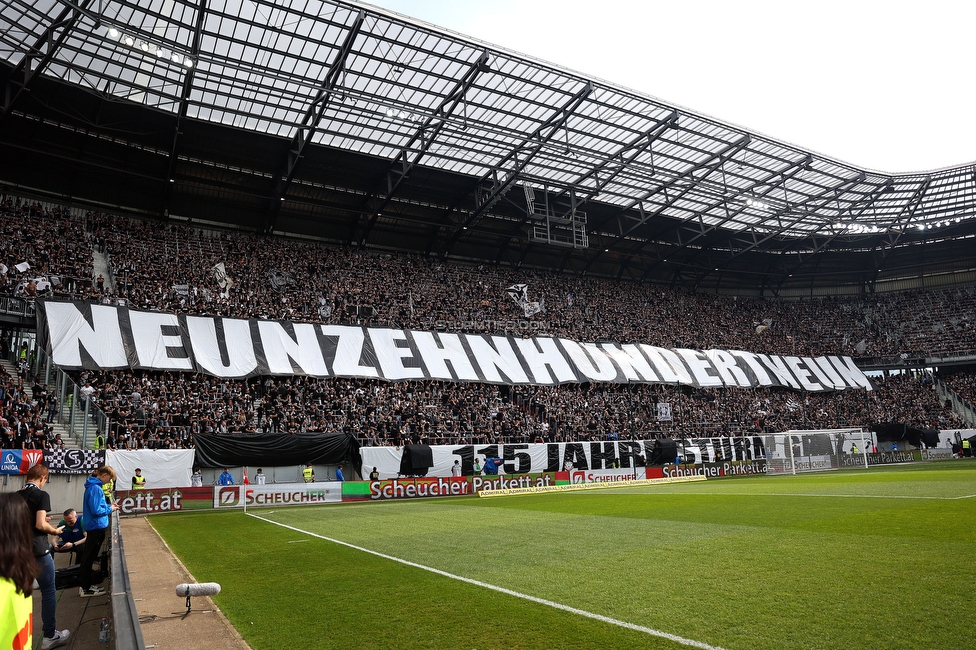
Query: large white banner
(162, 468)
(534, 458)
(82, 335)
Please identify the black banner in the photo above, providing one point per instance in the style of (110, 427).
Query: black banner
(275, 450)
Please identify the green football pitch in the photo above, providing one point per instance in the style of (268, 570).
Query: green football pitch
(879, 558)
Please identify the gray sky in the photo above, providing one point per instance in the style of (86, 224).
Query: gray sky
(887, 86)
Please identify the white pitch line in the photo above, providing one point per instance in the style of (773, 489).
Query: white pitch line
(802, 494)
(509, 592)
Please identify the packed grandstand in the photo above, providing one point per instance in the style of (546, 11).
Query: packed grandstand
(159, 266)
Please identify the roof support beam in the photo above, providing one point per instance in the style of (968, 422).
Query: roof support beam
(40, 54)
(502, 179)
(632, 149)
(835, 191)
(400, 167)
(310, 122)
(888, 245)
(784, 175)
(709, 165)
(621, 158)
(184, 102)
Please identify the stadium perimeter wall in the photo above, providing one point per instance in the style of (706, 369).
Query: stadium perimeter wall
(522, 465)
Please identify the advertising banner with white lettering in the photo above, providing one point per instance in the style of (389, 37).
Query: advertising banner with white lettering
(100, 337)
(164, 499)
(284, 494)
(623, 456)
(18, 461)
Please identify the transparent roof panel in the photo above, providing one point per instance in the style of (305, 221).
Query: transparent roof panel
(264, 65)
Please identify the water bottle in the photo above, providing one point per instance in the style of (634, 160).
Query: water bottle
(103, 631)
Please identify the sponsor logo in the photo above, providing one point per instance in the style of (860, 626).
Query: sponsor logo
(291, 497)
(273, 495)
(31, 457)
(228, 497)
(422, 487)
(150, 500)
(716, 470)
(10, 463)
(605, 476)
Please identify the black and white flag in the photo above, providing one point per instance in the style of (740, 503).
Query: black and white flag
(664, 411)
(520, 294)
(219, 273)
(281, 280)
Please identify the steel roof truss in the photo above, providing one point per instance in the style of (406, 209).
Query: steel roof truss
(402, 164)
(521, 156)
(39, 55)
(313, 115)
(184, 98)
(857, 179)
(709, 165)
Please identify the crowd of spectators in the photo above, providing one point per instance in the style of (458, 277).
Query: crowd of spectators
(55, 245)
(165, 410)
(171, 267)
(961, 382)
(180, 268)
(26, 413)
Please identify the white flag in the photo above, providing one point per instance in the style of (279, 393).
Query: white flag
(219, 273)
(664, 411)
(22, 267)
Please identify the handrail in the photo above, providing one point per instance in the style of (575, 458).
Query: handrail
(17, 306)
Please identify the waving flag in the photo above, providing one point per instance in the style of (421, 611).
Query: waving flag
(520, 294)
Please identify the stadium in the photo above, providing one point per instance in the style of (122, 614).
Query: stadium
(526, 359)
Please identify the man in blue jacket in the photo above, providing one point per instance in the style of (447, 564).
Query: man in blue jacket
(96, 523)
(492, 465)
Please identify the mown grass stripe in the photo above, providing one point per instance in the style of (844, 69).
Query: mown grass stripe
(542, 601)
(822, 495)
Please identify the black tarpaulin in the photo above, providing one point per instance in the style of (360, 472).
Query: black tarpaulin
(416, 460)
(898, 431)
(277, 450)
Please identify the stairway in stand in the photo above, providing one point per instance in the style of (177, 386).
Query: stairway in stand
(70, 442)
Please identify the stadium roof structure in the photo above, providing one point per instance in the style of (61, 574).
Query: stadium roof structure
(349, 123)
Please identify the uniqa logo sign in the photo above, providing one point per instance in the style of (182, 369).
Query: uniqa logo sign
(11, 463)
(228, 497)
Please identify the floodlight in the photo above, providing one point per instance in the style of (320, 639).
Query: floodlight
(129, 41)
(113, 33)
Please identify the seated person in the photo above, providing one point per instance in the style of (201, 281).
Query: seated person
(73, 536)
